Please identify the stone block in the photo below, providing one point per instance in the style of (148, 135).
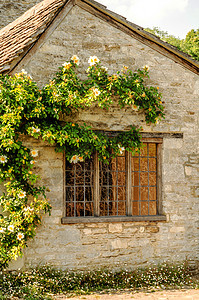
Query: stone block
(99, 230)
(118, 244)
(152, 229)
(192, 171)
(131, 230)
(87, 231)
(173, 144)
(115, 227)
(177, 229)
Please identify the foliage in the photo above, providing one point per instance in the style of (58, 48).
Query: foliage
(189, 45)
(44, 281)
(27, 110)
(163, 35)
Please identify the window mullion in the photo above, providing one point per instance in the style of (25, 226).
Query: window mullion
(128, 183)
(96, 194)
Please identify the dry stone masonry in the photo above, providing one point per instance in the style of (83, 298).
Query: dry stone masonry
(122, 244)
(11, 10)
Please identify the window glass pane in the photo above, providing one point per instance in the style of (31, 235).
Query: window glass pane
(143, 151)
(113, 208)
(69, 194)
(79, 189)
(88, 194)
(135, 164)
(121, 208)
(103, 208)
(135, 178)
(152, 208)
(79, 194)
(144, 193)
(121, 193)
(121, 163)
(89, 209)
(112, 187)
(152, 164)
(144, 164)
(152, 149)
(121, 178)
(152, 193)
(135, 208)
(144, 208)
(144, 178)
(152, 178)
(70, 209)
(79, 178)
(135, 193)
(69, 178)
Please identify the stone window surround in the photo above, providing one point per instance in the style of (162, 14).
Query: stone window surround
(147, 137)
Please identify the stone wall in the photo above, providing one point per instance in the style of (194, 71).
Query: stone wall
(132, 244)
(10, 10)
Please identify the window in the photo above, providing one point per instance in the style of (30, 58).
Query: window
(129, 186)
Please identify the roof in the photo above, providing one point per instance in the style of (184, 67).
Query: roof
(17, 38)
(24, 31)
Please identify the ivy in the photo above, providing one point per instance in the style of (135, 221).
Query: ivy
(27, 110)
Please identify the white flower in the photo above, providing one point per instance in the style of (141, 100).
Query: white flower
(74, 159)
(24, 72)
(11, 228)
(28, 208)
(75, 59)
(122, 149)
(80, 158)
(96, 92)
(20, 236)
(22, 194)
(66, 65)
(93, 60)
(3, 159)
(32, 162)
(34, 153)
(135, 107)
(2, 229)
(35, 130)
(146, 68)
(104, 68)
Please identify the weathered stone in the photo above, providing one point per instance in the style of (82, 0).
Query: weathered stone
(152, 229)
(177, 229)
(93, 245)
(10, 10)
(113, 228)
(118, 243)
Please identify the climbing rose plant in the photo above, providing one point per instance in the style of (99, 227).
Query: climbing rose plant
(27, 110)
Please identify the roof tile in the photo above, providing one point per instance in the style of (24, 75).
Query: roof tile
(23, 31)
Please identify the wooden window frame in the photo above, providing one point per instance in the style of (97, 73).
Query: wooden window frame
(129, 217)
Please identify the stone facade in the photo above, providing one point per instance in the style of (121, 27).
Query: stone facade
(122, 244)
(11, 10)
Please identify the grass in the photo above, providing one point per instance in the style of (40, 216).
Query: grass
(42, 283)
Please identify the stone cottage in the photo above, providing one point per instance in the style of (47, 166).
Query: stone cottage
(162, 223)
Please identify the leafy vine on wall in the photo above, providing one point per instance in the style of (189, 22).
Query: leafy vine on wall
(27, 110)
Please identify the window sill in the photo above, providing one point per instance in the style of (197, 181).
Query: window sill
(69, 220)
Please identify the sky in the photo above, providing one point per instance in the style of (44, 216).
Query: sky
(177, 17)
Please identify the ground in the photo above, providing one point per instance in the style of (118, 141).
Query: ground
(183, 294)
